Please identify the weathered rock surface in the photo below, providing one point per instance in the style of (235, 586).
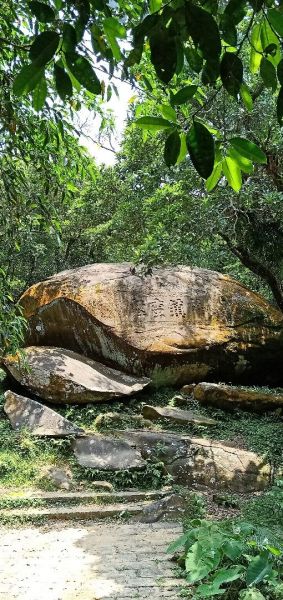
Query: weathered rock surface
(25, 413)
(59, 478)
(175, 325)
(106, 453)
(176, 415)
(64, 377)
(197, 462)
(170, 508)
(225, 396)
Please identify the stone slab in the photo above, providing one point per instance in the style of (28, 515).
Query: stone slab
(38, 419)
(106, 453)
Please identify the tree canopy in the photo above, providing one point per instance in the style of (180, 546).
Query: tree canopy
(59, 54)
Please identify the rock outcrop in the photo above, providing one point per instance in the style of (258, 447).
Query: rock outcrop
(175, 325)
(194, 462)
(64, 377)
(229, 397)
(24, 413)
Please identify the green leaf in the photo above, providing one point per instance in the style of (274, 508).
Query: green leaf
(200, 144)
(258, 569)
(168, 112)
(63, 82)
(275, 18)
(232, 548)
(202, 27)
(194, 59)
(228, 575)
(210, 72)
(43, 12)
(256, 48)
(274, 551)
(199, 563)
(114, 29)
(244, 164)
(69, 38)
(82, 70)
(280, 107)
(235, 11)
(269, 40)
(27, 79)
(113, 26)
(154, 123)
(181, 541)
(231, 71)
(248, 150)
(208, 590)
(280, 72)
(44, 47)
(164, 55)
(172, 148)
(232, 173)
(39, 94)
(268, 73)
(155, 5)
(246, 97)
(183, 95)
(212, 181)
(183, 150)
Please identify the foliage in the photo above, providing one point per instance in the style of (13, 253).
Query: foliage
(229, 559)
(190, 49)
(12, 323)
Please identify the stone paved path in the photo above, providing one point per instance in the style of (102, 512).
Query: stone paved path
(88, 562)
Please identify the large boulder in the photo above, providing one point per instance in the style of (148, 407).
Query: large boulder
(174, 325)
(64, 377)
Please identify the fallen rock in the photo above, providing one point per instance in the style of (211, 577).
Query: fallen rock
(225, 396)
(64, 377)
(38, 419)
(106, 453)
(59, 478)
(188, 389)
(105, 486)
(175, 414)
(174, 325)
(170, 508)
(194, 462)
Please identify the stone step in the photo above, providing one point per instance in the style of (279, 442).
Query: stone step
(68, 513)
(88, 497)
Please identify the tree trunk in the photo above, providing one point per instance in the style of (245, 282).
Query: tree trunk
(257, 267)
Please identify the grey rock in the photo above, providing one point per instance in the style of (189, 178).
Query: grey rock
(105, 486)
(176, 415)
(65, 377)
(170, 508)
(37, 418)
(60, 478)
(196, 462)
(106, 453)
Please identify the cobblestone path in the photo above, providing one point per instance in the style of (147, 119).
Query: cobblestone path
(86, 561)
